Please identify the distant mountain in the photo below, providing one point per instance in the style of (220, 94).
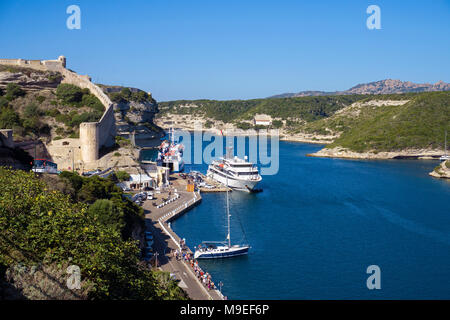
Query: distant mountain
(387, 86)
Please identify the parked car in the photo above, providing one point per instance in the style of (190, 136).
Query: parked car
(148, 235)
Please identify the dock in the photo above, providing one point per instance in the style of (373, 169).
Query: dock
(158, 220)
(217, 186)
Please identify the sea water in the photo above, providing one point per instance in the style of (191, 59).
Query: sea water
(320, 223)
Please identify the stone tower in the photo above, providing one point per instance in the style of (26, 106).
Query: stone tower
(62, 59)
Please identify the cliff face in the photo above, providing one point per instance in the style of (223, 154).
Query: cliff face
(28, 79)
(134, 111)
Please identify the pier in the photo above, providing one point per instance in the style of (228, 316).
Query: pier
(158, 219)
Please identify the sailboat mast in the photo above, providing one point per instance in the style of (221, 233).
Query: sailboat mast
(228, 217)
(445, 142)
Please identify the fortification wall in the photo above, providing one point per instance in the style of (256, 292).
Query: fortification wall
(105, 130)
(93, 135)
(6, 138)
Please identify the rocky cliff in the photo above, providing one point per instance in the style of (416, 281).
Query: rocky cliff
(29, 79)
(134, 111)
(387, 86)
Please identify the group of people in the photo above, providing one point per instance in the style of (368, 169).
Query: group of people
(204, 277)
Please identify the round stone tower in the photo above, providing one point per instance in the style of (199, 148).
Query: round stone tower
(89, 141)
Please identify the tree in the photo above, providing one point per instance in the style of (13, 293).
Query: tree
(107, 213)
(9, 119)
(43, 227)
(13, 91)
(122, 175)
(277, 124)
(68, 93)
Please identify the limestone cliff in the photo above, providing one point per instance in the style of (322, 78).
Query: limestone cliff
(134, 111)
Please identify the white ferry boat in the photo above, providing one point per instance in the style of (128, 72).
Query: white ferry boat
(171, 154)
(235, 173)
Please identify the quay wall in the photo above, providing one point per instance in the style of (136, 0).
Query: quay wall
(93, 135)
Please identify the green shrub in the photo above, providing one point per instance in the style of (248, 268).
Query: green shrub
(52, 112)
(244, 125)
(3, 102)
(13, 91)
(40, 99)
(122, 175)
(117, 154)
(31, 111)
(49, 228)
(277, 124)
(91, 101)
(54, 77)
(68, 93)
(9, 119)
(122, 142)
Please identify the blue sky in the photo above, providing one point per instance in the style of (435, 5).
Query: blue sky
(234, 49)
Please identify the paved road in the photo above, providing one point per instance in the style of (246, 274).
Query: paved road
(163, 243)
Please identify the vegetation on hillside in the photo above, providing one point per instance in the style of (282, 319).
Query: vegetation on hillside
(305, 108)
(32, 113)
(420, 123)
(126, 95)
(65, 220)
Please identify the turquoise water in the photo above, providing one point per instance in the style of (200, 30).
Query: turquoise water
(319, 223)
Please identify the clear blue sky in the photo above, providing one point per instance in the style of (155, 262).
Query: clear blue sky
(234, 49)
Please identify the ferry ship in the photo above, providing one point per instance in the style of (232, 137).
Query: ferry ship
(171, 154)
(235, 173)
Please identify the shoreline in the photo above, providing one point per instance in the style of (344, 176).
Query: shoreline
(343, 153)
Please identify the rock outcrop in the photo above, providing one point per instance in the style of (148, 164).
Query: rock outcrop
(339, 152)
(442, 170)
(31, 81)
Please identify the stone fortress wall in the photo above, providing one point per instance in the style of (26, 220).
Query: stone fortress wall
(93, 135)
(6, 138)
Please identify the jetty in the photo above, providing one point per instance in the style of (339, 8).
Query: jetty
(158, 215)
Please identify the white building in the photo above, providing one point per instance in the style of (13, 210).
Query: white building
(262, 120)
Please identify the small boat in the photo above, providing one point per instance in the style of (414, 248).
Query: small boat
(211, 249)
(445, 157)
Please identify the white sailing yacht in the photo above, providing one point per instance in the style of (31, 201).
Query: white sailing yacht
(445, 156)
(220, 249)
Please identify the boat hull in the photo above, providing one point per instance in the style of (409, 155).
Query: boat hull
(216, 254)
(238, 184)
